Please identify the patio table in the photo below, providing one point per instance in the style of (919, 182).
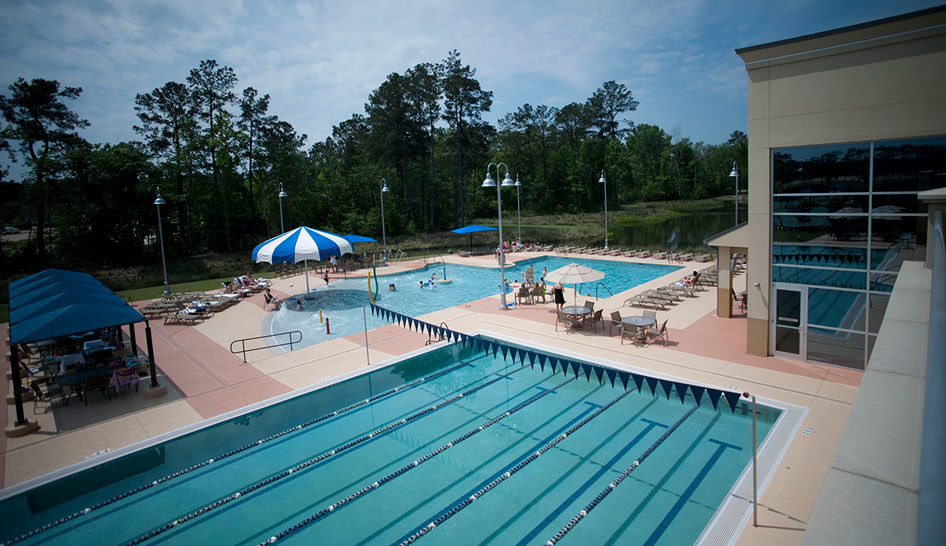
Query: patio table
(577, 311)
(642, 323)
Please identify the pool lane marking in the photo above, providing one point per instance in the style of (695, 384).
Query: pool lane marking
(700, 476)
(179, 473)
(510, 469)
(408, 467)
(617, 481)
(305, 465)
(606, 467)
(591, 406)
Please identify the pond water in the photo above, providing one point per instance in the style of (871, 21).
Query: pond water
(687, 231)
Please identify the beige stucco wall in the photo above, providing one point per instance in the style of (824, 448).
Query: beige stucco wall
(882, 82)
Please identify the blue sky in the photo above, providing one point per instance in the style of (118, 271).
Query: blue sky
(319, 60)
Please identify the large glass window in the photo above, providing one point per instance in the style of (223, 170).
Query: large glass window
(846, 216)
(843, 168)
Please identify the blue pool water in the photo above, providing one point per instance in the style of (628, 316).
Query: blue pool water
(341, 301)
(377, 458)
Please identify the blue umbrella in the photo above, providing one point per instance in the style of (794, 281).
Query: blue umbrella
(301, 244)
(471, 229)
(359, 239)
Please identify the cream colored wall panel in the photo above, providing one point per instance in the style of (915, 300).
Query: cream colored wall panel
(890, 121)
(759, 133)
(759, 180)
(758, 94)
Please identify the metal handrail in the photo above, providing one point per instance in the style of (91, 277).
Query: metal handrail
(931, 526)
(244, 350)
(440, 337)
(602, 285)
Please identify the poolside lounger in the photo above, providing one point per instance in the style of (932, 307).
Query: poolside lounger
(644, 301)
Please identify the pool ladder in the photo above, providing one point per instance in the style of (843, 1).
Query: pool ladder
(432, 338)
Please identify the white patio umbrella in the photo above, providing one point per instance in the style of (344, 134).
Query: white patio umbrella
(574, 274)
(301, 244)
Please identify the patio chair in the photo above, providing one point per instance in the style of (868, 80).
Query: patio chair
(650, 314)
(741, 298)
(615, 321)
(594, 318)
(52, 390)
(538, 292)
(590, 304)
(99, 382)
(568, 321)
(660, 332)
(629, 331)
(523, 295)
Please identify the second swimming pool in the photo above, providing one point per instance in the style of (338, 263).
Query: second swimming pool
(341, 301)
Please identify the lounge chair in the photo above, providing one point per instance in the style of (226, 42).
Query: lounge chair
(741, 298)
(660, 256)
(615, 321)
(660, 332)
(644, 300)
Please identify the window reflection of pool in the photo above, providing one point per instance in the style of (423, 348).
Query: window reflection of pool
(341, 301)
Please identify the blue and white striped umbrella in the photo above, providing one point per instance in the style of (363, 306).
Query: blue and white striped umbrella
(300, 244)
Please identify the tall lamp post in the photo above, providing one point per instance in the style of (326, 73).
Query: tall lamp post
(157, 203)
(518, 210)
(734, 173)
(384, 237)
(489, 183)
(282, 193)
(604, 181)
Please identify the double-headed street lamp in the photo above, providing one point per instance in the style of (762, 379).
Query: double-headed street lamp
(489, 183)
(734, 173)
(282, 193)
(604, 181)
(157, 203)
(384, 237)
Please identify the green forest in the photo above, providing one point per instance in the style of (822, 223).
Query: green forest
(220, 158)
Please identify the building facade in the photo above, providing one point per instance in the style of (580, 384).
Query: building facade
(846, 127)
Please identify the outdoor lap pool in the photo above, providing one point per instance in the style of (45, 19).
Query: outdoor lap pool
(490, 448)
(341, 301)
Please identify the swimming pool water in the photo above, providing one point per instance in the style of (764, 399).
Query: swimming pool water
(414, 453)
(341, 300)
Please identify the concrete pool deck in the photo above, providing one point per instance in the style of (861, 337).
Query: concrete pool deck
(206, 380)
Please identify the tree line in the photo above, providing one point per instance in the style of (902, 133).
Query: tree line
(221, 158)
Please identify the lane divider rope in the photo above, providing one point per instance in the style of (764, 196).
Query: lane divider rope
(611, 486)
(447, 514)
(306, 464)
(410, 466)
(232, 452)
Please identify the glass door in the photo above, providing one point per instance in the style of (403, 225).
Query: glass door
(789, 320)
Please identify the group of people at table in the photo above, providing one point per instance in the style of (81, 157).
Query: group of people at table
(62, 365)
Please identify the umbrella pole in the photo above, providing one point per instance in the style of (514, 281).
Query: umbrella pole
(306, 276)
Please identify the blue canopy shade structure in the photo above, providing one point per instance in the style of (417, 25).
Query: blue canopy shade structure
(56, 303)
(471, 229)
(474, 228)
(359, 239)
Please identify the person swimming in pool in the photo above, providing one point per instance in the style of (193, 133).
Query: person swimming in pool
(391, 287)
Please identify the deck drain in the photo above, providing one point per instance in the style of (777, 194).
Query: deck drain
(806, 431)
(98, 453)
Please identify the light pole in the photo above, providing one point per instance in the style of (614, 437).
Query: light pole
(734, 173)
(489, 183)
(157, 203)
(282, 193)
(384, 237)
(604, 181)
(518, 210)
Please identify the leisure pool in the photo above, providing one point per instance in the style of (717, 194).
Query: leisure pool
(341, 301)
(459, 443)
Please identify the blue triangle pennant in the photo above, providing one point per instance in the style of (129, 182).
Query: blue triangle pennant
(542, 359)
(697, 393)
(714, 396)
(576, 367)
(504, 350)
(625, 377)
(667, 386)
(638, 380)
(531, 357)
(652, 383)
(733, 399)
(599, 373)
(587, 369)
(681, 390)
(612, 374)
(553, 363)
(495, 347)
